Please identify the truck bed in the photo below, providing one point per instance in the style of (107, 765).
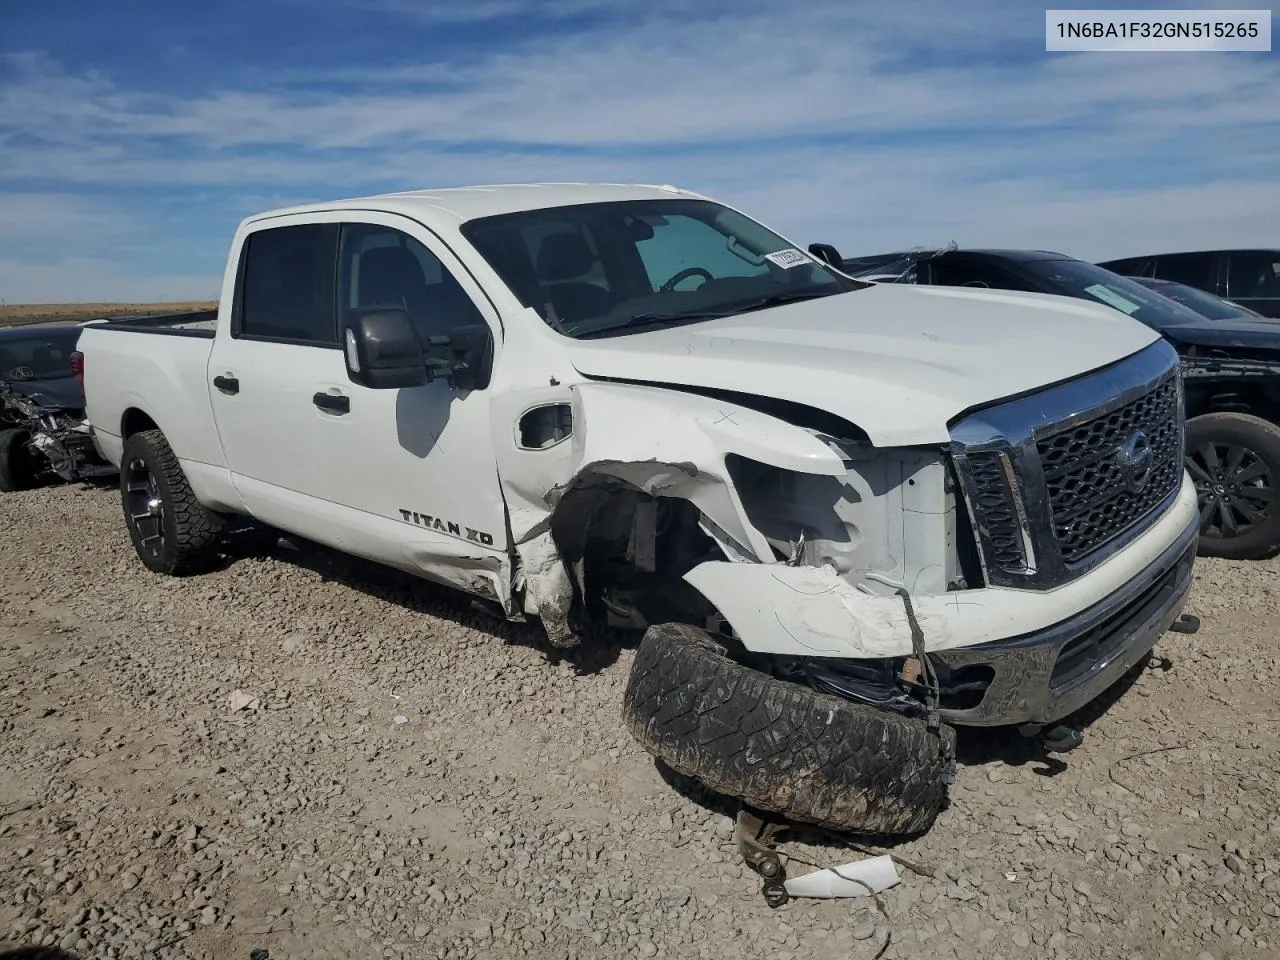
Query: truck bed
(157, 365)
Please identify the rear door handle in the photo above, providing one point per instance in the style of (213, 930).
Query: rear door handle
(227, 384)
(335, 402)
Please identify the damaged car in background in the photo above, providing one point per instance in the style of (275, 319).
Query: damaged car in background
(43, 431)
(848, 517)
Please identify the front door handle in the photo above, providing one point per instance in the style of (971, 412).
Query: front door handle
(227, 384)
(334, 402)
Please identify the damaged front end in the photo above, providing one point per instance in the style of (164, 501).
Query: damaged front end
(875, 574)
(623, 498)
(49, 438)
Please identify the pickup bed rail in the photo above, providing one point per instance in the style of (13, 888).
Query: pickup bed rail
(195, 323)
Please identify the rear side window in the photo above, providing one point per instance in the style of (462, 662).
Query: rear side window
(1195, 270)
(1136, 267)
(1253, 275)
(287, 285)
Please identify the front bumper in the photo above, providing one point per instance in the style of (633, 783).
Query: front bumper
(1044, 676)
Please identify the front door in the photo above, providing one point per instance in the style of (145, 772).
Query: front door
(415, 468)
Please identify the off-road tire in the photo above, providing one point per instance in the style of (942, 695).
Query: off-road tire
(17, 471)
(191, 532)
(781, 747)
(1262, 439)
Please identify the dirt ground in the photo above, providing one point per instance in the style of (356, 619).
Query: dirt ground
(412, 779)
(18, 314)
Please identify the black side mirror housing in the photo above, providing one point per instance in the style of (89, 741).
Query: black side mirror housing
(383, 350)
(827, 254)
(462, 356)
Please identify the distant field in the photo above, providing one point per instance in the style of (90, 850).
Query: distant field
(16, 314)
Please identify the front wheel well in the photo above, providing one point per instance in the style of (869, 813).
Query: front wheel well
(1264, 403)
(629, 551)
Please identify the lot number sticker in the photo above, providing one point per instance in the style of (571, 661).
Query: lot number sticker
(787, 259)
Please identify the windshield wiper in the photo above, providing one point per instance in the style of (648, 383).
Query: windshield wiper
(646, 319)
(775, 300)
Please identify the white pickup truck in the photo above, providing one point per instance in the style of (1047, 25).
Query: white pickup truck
(849, 516)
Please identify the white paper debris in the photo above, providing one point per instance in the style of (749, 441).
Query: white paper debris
(858, 879)
(399, 719)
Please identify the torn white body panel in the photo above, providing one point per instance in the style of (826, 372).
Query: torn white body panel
(663, 443)
(813, 612)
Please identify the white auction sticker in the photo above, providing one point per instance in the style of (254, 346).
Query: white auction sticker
(788, 258)
(1158, 30)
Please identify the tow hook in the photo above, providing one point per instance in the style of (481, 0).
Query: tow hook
(1058, 738)
(1185, 624)
(754, 835)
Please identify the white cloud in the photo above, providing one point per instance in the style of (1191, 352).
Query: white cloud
(673, 79)
(925, 137)
(30, 218)
(81, 280)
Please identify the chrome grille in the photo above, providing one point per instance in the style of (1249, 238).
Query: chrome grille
(1056, 481)
(1090, 492)
(993, 504)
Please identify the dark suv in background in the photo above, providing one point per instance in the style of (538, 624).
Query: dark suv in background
(1249, 277)
(1230, 360)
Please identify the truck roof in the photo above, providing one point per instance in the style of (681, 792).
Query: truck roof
(468, 203)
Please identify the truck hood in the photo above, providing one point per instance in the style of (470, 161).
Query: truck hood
(899, 362)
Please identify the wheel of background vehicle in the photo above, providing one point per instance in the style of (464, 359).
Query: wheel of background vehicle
(1234, 459)
(779, 746)
(171, 530)
(18, 471)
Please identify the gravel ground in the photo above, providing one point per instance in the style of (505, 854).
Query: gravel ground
(412, 779)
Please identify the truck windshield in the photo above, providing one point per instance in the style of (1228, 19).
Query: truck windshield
(1076, 278)
(594, 269)
(33, 357)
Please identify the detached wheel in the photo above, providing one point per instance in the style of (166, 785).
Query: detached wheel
(778, 746)
(19, 469)
(1234, 459)
(171, 530)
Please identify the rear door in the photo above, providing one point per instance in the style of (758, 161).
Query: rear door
(280, 353)
(1253, 280)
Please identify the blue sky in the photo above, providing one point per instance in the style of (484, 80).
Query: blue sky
(134, 135)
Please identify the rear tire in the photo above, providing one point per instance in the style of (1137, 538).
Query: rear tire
(172, 532)
(777, 746)
(18, 469)
(1234, 459)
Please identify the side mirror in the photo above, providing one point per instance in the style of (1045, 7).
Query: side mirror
(383, 350)
(827, 254)
(461, 356)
